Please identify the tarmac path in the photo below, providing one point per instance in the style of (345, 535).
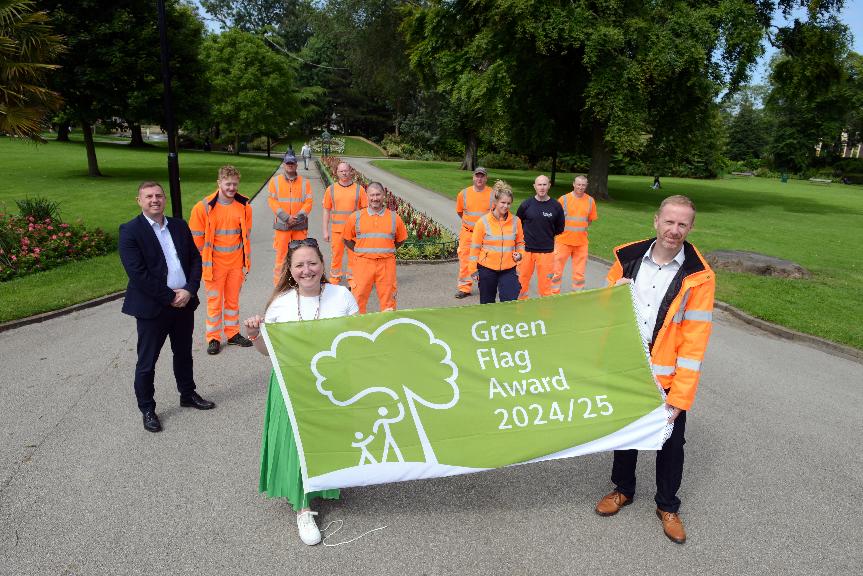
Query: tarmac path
(773, 468)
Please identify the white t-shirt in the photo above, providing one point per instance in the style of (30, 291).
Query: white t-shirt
(336, 301)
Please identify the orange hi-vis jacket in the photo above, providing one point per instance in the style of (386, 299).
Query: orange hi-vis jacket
(494, 241)
(231, 245)
(375, 234)
(290, 198)
(683, 323)
(472, 205)
(580, 212)
(342, 201)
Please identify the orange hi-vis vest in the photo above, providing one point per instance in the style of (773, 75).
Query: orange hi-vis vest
(494, 241)
(342, 201)
(580, 212)
(219, 244)
(683, 323)
(472, 205)
(375, 234)
(290, 198)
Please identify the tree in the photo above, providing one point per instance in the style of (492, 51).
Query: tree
(747, 127)
(252, 86)
(28, 46)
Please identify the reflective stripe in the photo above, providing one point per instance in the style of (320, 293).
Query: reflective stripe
(291, 200)
(576, 219)
(231, 322)
(499, 248)
(500, 238)
(196, 233)
(472, 258)
(376, 235)
(227, 232)
(206, 264)
(477, 246)
(212, 293)
(689, 364)
(214, 319)
(698, 315)
(214, 327)
(358, 250)
(342, 211)
(282, 214)
(233, 248)
(231, 312)
(660, 370)
(576, 228)
(468, 212)
(678, 316)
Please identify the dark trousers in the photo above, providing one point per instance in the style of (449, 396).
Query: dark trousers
(176, 324)
(493, 281)
(669, 469)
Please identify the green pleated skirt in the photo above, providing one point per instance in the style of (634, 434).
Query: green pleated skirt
(281, 475)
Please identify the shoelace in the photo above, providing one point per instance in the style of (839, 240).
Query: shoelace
(341, 524)
(306, 517)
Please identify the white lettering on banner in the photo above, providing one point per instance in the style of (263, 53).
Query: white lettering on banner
(481, 332)
(584, 407)
(504, 359)
(522, 387)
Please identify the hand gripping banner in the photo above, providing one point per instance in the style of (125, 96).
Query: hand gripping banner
(435, 392)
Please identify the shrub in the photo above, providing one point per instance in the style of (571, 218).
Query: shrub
(28, 245)
(504, 160)
(39, 208)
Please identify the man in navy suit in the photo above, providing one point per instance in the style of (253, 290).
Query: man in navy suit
(164, 270)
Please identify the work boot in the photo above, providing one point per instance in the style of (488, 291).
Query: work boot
(672, 525)
(461, 294)
(213, 347)
(612, 503)
(240, 340)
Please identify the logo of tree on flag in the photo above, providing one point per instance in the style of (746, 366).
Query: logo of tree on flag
(424, 376)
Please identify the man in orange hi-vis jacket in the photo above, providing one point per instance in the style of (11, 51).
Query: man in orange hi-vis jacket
(221, 224)
(471, 203)
(580, 210)
(341, 199)
(290, 200)
(373, 234)
(672, 288)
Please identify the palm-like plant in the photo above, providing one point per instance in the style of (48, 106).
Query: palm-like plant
(28, 47)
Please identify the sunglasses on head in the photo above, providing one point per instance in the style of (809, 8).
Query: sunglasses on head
(294, 244)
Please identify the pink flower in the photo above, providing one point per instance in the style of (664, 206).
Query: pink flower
(53, 236)
(14, 258)
(25, 240)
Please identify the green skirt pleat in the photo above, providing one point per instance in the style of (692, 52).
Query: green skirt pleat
(281, 475)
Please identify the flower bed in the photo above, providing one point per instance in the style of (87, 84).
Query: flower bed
(427, 240)
(28, 245)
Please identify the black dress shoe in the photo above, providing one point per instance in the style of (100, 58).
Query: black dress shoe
(461, 294)
(213, 347)
(194, 400)
(240, 340)
(151, 421)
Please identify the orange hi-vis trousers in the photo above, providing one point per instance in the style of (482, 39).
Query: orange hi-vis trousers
(223, 302)
(465, 282)
(562, 253)
(281, 239)
(340, 260)
(379, 273)
(543, 263)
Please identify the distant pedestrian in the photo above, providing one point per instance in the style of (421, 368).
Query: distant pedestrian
(306, 153)
(656, 184)
(542, 219)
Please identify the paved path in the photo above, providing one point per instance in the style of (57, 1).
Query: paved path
(772, 477)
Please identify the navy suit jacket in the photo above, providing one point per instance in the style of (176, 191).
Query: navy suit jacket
(141, 254)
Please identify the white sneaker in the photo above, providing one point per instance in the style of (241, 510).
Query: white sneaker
(309, 533)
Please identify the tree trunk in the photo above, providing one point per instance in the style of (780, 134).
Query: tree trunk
(63, 132)
(92, 163)
(398, 117)
(268, 146)
(137, 140)
(600, 156)
(237, 144)
(470, 148)
(553, 167)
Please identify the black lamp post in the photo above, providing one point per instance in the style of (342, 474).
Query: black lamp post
(173, 161)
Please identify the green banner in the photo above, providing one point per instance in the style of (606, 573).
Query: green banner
(434, 392)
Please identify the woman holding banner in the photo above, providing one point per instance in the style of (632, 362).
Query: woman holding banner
(302, 293)
(495, 249)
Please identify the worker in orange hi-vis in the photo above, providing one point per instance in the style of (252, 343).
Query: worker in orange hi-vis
(374, 234)
(221, 224)
(471, 203)
(341, 199)
(291, 202)
(580, 210)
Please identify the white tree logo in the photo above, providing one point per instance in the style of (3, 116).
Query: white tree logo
(431, 384)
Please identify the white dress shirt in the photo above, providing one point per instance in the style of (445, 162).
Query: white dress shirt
(651, 284)
(176, 276)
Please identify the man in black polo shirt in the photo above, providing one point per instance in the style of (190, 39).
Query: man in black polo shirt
(542, 219)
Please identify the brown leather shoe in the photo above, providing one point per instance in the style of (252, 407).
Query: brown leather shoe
(612, 503)
(672, 525)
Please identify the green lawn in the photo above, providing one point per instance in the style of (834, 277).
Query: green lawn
(819, 227)
(355, 146)
(59, 171)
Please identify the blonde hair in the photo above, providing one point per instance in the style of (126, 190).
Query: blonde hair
(501, 188)
(228, 171)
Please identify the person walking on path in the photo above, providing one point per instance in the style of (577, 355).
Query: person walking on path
(290, 199)
(302, 293)
(470, 204)
(164, 271)
(673, 298)
(580, 210)
(306, 153)
(341, 199)
(221, 224)
(374, 234)
(542, 219)
(497, 245)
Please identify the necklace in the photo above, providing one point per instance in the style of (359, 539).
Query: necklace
(317, 312)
